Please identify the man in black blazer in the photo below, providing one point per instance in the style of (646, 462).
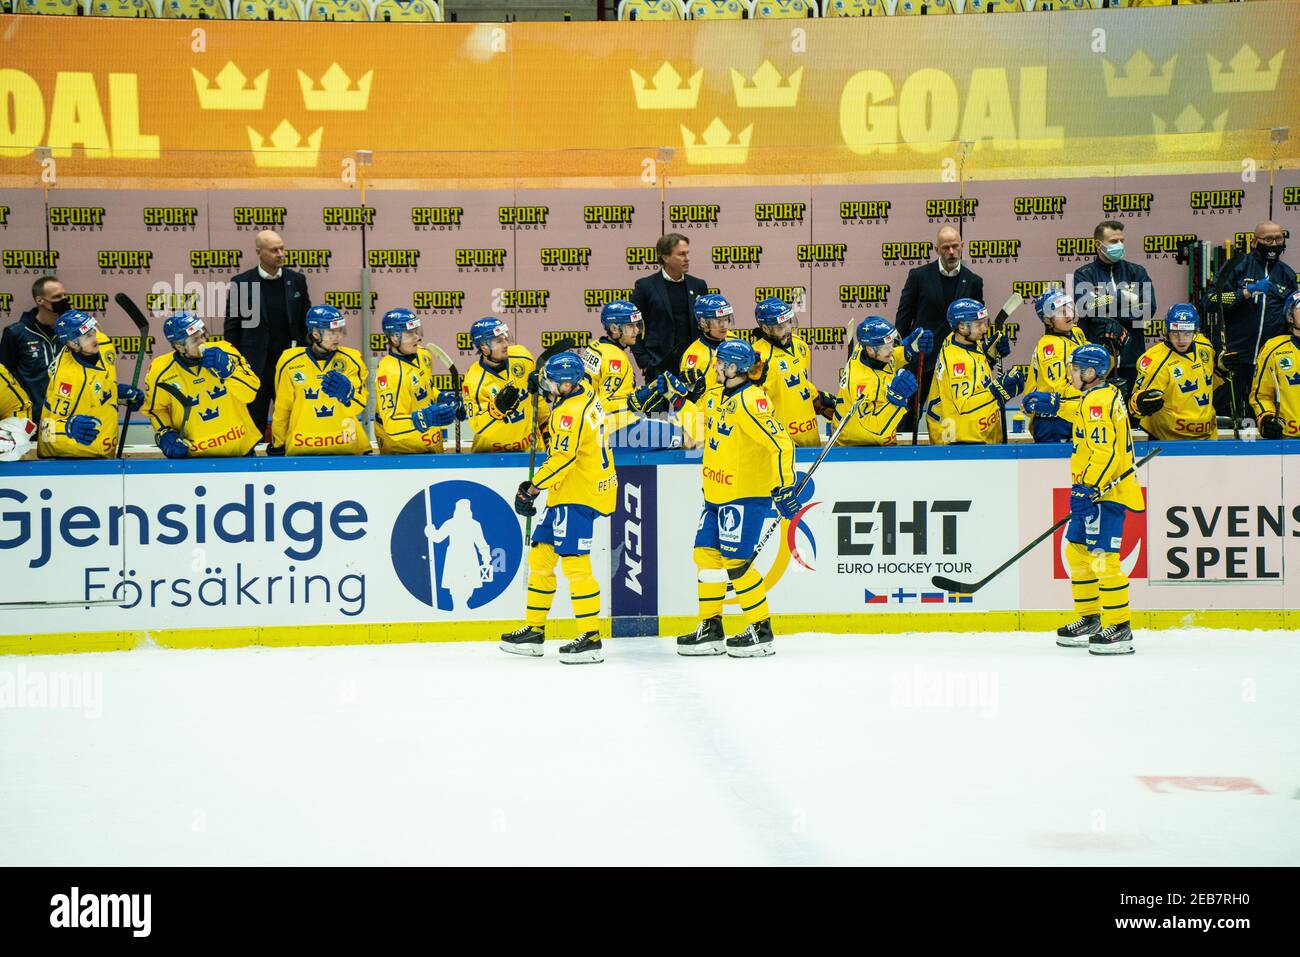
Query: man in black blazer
(666, 300)
(266, 314)
(928, 292)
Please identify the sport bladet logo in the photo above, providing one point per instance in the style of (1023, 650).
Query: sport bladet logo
(1133, 547)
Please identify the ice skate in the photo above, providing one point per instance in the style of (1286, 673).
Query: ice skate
(754, 642)
(1076, 633)
(707, 639)
(585, 649)
(524, 641)
(1112, 640)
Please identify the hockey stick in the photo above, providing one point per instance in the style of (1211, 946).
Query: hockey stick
(1014, 302)
(437, 352)
(142, 327)
(969, 588)
(556, 347)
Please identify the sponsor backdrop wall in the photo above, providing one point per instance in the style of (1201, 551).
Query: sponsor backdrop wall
(109, 555)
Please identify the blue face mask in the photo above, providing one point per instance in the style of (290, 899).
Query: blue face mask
(1115, 252)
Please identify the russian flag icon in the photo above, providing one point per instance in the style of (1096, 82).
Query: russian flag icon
(929, 597)
(873, 599)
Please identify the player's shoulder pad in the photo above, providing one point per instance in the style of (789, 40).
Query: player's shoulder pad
(519, 352)
(593, 357)
(756, 400)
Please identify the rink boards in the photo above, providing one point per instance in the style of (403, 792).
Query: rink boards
(333, 550)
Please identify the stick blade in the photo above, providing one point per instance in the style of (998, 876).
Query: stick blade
(132, 311)
(954, 587)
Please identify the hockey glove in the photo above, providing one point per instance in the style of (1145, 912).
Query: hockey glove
(901, 388)
(130, 396)
(1110, 334)
(1009, 386)
(507, 399)
(645, 400)
(786, 502)
(673, 389)
(434, 415)
(82, 429)
(1042, 403)
(919, 342)
(534, 383)
(526, 499)
(1270, 427)
(218, 361)
(998, 347)
(1224, 363)
(824, 405)
(172, 445)
(1083, 503)
(338, 387)
(1149, 402)
(1259, 286)
(696, 383)
(275, 450)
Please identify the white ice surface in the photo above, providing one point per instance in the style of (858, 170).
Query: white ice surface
(920, 749)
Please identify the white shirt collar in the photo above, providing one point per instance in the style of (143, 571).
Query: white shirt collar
(664, 273)
(266, 275)
(946, 272)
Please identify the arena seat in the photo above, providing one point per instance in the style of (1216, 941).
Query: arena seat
(51, 8)
(718, 9)
(407, 11)
(267, 10)
(133, 9)
(651, 10)
(854, 8)
(343, 11)
(782, 9)
(195, 10)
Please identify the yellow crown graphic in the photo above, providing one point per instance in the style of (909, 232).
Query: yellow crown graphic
(1246, 76)
(1188, 134)
(767, 90)
(1140, 78)
(667, 92)
(716, 147)
(285, 149)
(334, 93)
(229, 93)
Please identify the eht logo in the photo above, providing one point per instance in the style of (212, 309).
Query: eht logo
(1133, 547)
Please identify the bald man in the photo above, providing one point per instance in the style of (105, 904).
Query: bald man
(924, 302)
(265, 315)
(1249, 280)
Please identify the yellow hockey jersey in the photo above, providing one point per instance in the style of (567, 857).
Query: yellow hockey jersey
(787, 382)
(306, 420)
(14, 400)
(876, 420)
(79, 389)
(1103, 446)
(1188, 383)
(217, 422)
(495, 431)
(1276, 389)
(402, 385)
(613, 373)
(1049, 371)
(960, 408)
(579, 469)
(747, 452)
(693, 416)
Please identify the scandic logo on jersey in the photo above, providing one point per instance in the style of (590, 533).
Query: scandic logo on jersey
(382, 382)
(959, 368)
(1094, 412)
(1049, 349)
(761, 404)
(692, 359)
(65, 388)
(616, 365)
(566, 422)
(1133, 546)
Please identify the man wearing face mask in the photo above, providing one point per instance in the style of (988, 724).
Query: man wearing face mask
(1248, 282)
(28, 346)
(1114, 299)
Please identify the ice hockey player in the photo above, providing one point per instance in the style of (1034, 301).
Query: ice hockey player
(216, 385)
(713, 317)
(80, 418)
(965, 401)
(1103, 450)
(877, 380)
(320, 392)
(410, 411)
(578, 478)
(1176, 378)
(748, 468)
(612, 369)
(1275, 394)
(784, 369)
(496, 390)
(14, 400)
(1050, 400)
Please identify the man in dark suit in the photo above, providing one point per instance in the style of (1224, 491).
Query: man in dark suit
(927, 294)
(266, 314)
(666, 300)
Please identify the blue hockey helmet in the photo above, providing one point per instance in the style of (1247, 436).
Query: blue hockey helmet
(73, 324)
(397, 321)
(1182, 318)
(321, 318)
(564, 367)
(875, 331)
(965, 310)
(712, 306)
(736, 352)
(620, 312)
(773, 311)
(486, 329)
(181, 326)
(1092, 356)
(1049, 302)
